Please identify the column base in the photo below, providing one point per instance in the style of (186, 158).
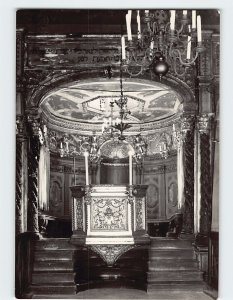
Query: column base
(78, 238)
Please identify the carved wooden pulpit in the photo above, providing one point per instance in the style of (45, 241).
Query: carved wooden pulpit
(109, 217)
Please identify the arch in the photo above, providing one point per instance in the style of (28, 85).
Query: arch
(55, 81)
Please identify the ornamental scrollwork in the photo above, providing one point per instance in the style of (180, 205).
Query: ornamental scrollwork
(110, 253)
(108, 214)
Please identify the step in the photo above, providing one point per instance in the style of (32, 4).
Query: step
(175, 275)
(179, 286)
(54, 265)
(52, 277)
(171, 253)
(54, 244)
(169, 243)
(158, 263)
(54, 289)
(43, 255)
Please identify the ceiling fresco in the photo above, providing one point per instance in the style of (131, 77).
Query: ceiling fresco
(89, 101)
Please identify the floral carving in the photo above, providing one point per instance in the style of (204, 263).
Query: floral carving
(110, 253)
(139, 205)
(109, 214)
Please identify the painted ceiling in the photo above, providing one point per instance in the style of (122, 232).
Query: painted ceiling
(89, 100)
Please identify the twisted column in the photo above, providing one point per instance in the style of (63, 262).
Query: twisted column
(20, 139)
(187, 129)
(33, 162)
(205, 179)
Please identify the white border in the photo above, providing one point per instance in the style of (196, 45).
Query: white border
(7, 129)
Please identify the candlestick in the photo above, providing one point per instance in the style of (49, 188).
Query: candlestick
(86, 167)
(123, 47)
(189, 48)
(193, 19)
(139, 25)
(199, 37)
(130, 168)
(172, 19)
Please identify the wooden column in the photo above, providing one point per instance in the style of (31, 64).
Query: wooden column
(20, 180)
(21, 140)
(187, 128)
(33, 163)
(205, 180)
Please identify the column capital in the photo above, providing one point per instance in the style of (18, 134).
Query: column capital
(204, 122)
(187, 122)
(20, 126)
(33, 119)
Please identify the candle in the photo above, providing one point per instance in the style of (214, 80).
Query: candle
(199, 29)
(193, 19)
(130, 168)
(123, 47)
(185, 12)
(139, 25)
(61, 146)
(152, 45)
(172, 19)
(86, 167)
(128, 25)
(189, 47)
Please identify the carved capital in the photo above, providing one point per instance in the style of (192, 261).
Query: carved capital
(187, 123)
(20, 126)
(33, 119)
(204, 123)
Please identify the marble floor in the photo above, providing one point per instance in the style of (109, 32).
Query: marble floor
(123, 293)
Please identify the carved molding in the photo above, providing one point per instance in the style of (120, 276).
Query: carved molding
(110, 253)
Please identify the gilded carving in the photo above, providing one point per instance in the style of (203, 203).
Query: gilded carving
(109, 214)
(110, 253)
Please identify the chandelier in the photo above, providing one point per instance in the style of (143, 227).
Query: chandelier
(119, 125)
(162, 43)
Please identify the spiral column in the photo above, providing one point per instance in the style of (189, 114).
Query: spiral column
(205, 213)
(187, 129)
(33, 164)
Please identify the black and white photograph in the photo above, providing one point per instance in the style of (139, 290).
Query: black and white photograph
(117, 153)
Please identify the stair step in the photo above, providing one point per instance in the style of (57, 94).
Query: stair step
(172, 264)
(54, 244)
(54, 265)
(43, 255)
(175, 275)
(52, 277)
(169, 243)
(179, 286)
(55, 289)
(171, 253)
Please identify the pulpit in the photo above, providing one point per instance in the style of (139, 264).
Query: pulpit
(109, 230)
(109, 214)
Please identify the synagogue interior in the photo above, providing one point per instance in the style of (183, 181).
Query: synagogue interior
(117, 152)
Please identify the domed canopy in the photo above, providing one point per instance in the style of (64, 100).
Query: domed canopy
(116, 149)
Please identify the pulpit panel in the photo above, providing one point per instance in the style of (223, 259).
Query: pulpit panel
(56, 196)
